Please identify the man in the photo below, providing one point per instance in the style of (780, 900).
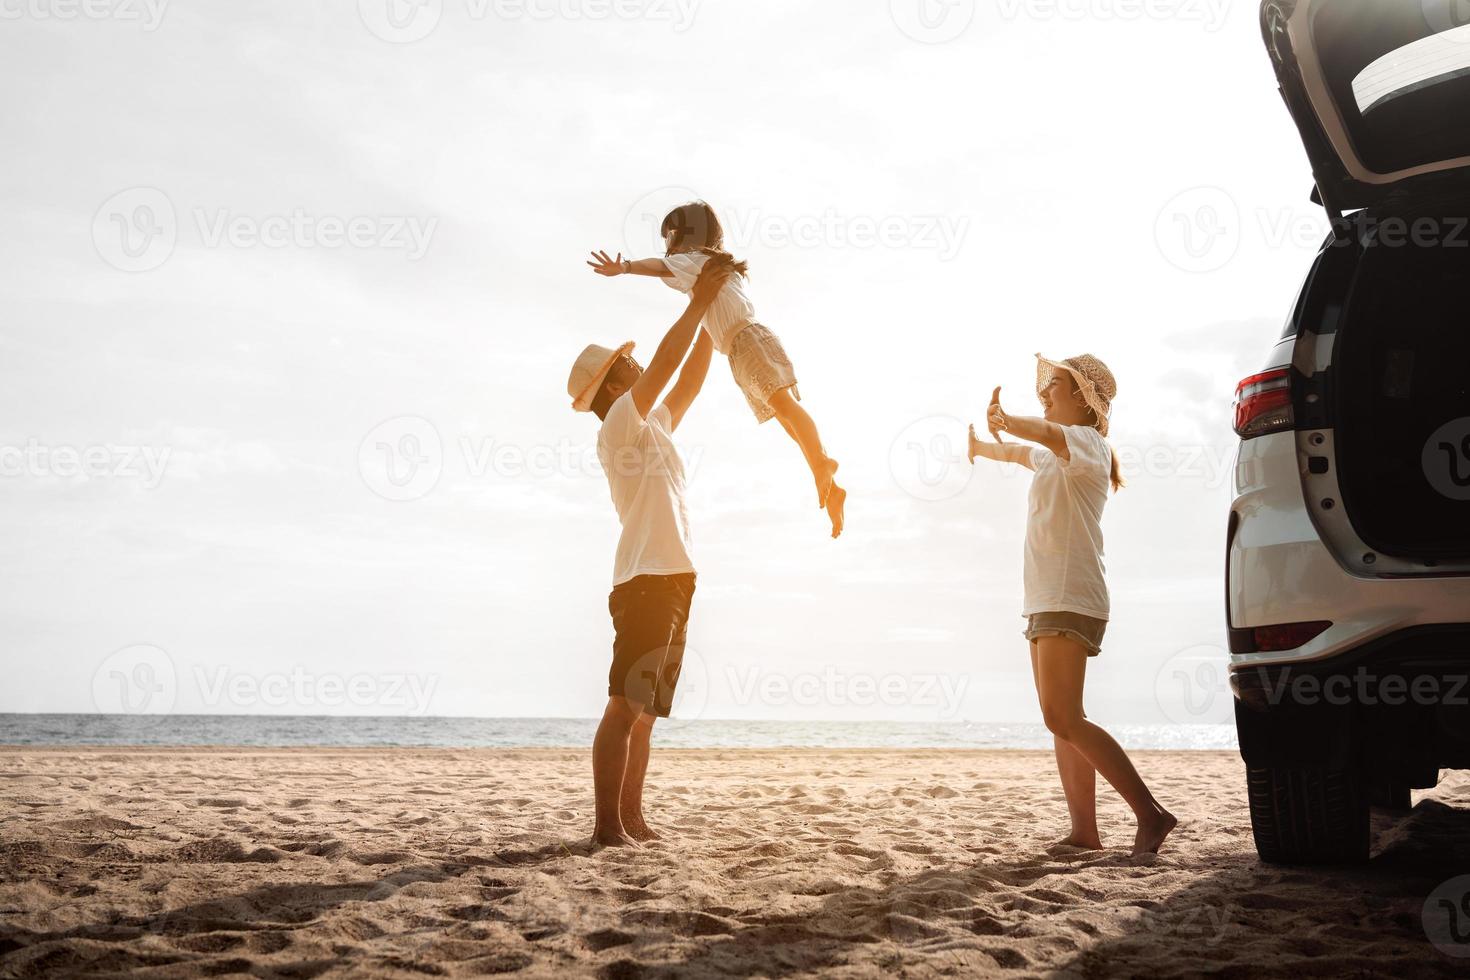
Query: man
(653, 574)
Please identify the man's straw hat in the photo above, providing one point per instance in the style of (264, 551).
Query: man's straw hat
(1094, 380)
(590, 371)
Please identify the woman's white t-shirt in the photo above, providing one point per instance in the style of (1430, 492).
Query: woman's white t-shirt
(646, 477)
(1064, 541)
(731, 310)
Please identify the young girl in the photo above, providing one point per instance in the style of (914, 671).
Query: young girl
(1066, 595)
(692, 234)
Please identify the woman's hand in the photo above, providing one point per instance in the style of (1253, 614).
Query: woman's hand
(604, 266)
(995, 418)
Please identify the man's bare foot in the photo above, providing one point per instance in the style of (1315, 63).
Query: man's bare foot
(1151, 833)
(825, 481)
(1085, 842)
(835, 501)
(639, 831)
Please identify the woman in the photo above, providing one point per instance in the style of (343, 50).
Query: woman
(1066, 596)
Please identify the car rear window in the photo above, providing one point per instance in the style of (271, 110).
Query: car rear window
(1400, 76)
(1428, 61)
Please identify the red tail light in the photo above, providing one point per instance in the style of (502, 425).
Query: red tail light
(1263, 403)
(1284, 636)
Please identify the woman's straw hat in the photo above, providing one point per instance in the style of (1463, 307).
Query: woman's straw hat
(1094, 380)
(590, 371)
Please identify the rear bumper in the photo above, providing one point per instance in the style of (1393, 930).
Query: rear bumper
(1279, 570)
(1397, 704)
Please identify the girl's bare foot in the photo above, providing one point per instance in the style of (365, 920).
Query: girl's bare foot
(835, 501)
(825, 480)
(640, 831)
(612, 838)
(1151, 833)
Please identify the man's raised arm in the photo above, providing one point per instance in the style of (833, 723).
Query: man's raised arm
(691, 379)
(675, 345)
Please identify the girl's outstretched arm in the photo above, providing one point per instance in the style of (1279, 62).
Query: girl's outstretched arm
(1002, 452)
(1039, 431)
(604, 266)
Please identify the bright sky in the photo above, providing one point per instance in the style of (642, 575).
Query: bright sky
(254, 250)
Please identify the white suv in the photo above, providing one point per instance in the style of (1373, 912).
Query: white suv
(1348, 545)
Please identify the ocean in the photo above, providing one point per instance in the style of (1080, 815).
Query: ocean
(319, 730)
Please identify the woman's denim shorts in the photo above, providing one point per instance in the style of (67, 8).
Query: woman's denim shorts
(1074, 626)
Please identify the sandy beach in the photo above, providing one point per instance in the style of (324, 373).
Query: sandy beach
(319, 862)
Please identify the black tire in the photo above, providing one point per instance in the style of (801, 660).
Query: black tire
(1308, 816)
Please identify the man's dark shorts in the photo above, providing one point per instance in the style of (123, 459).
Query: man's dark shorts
(650, 615)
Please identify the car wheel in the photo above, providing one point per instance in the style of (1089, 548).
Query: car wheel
(1308, 816)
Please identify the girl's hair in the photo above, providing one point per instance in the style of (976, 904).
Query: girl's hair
(696, 229)
(1115, 472)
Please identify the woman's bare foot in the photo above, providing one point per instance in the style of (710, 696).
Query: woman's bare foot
(825, 476)
(1151, 833)
(1085, 842)
(835, 502)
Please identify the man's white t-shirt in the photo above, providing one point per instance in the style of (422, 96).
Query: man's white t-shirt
(730, 311)
(646, 477)
(1064, 541)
